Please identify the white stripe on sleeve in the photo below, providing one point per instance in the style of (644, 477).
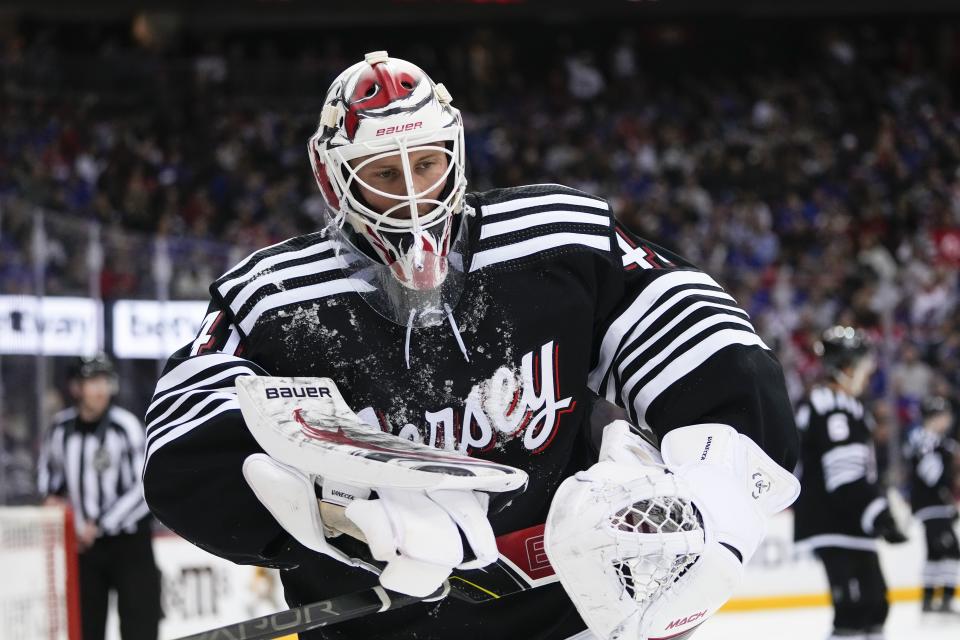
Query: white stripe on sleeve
(869, 516)
(935, 511)
(189, 368)
(687, 362)
(310, 268)
(291, 296)
(637, 351)
(195, 411)
(202, 385)
(490, 230)
(634, 313)
(539, 201)
(844, 464)
(240, 265)
(535, 245)
(178, 431)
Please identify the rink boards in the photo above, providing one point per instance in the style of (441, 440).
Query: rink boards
(202, 591)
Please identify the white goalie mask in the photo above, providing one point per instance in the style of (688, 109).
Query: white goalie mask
(404, 243)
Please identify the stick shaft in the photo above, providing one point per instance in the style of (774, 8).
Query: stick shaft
(505, 577)
(342, 608)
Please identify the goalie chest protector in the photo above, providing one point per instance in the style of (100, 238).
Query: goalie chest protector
(527, 317)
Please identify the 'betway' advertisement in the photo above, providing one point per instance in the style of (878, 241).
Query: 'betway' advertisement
(151, 329)
(57, 326)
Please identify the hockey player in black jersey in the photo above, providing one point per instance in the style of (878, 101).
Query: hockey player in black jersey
(842, 508)
(481, 324)
(932, 456)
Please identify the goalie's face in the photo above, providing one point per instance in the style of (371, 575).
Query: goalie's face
(388, 157)
(392, 185)
(407, 222)
(92, 394)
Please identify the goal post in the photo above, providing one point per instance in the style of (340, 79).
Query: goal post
(39, 589)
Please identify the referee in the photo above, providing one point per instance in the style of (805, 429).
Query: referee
(91, 459)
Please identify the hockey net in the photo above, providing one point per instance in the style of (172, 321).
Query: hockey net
(39, 596)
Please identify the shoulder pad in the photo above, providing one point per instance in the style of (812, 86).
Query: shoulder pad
(523, 224)
(295, 270)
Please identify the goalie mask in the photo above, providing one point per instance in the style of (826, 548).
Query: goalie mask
(388, 157)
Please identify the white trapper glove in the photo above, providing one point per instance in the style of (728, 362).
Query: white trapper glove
(643, 541)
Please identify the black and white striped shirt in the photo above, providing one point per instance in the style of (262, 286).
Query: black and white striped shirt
(97, 467)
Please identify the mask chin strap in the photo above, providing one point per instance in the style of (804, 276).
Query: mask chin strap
(453, 327)
(456, 331)
(406, 345)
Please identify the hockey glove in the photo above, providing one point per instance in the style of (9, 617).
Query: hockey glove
(289, 496)
(650, 547)
(886, 527)
(426, 499)
(416, 533)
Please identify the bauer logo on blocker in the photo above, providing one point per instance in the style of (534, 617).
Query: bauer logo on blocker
(297, 392)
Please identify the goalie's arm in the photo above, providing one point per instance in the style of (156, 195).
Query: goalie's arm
(195, 448)
(674, 349)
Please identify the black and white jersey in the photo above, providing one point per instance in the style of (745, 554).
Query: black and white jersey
(97, 467)
(560, 303)
(840, 496)
(931, 474)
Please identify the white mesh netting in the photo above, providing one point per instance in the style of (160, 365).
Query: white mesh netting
(645, 577)
(33, 591)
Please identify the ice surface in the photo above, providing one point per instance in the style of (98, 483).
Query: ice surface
(904, 623)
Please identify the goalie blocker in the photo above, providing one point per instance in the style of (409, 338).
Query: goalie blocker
(427, 504)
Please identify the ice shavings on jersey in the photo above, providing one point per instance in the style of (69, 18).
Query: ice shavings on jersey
(515, 403)
(307, 316)
(525, 405)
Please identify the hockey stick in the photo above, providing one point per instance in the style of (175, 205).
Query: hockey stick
(341, 608)
(522, 565)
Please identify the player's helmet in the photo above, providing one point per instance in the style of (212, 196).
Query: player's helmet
(385, 107)
(934, 405)
(90, 366)
(841, 347)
